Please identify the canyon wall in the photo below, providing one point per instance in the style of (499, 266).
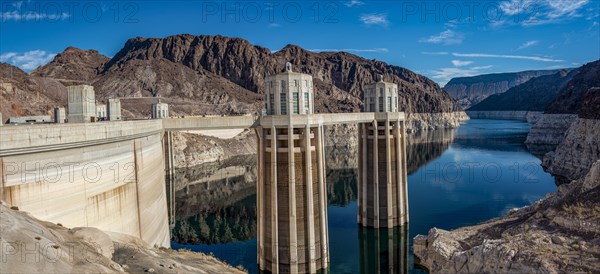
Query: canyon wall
(472, 90)
(550, 129)
(577, 152)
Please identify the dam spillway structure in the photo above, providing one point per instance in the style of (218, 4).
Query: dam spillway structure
(291, 193)
(383, 197)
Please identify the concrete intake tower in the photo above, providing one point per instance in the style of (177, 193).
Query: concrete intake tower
(291, 193)
(383, 197)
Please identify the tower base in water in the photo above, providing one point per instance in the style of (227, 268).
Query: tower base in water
(291, 195)
(383, 197)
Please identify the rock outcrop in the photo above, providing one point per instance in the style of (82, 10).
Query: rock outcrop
(472, 90)
(550, 129)
(73, 66)
(558, 234)
(34, 246)
(577, 152)
(23, 95)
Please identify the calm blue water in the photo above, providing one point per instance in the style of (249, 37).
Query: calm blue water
(458, 177)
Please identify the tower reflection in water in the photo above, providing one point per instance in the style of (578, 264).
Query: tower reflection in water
(383, 250)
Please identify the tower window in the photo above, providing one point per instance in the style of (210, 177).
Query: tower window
(381, 104)
(283, 99)
(306, 102)
(295, 103)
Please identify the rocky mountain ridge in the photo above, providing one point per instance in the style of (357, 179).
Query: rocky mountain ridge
(227, 75)
(533, 95)
(472, 90)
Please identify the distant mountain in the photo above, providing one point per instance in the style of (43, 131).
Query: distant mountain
(472, 90)
(73, 66)
(533, 95)
(571, 97)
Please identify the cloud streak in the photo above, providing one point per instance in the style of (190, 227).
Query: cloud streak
(459, 63)
(375, 19)
(27, 60)
(354, 3)
(528, 44)
(29, 16)
(447, 37)
(540, 12)
(505, 56)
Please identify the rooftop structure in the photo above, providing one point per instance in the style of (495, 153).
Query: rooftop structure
(289, 93)
(381, 96)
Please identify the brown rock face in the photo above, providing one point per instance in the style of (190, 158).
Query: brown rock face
(21, 94)
(73, 66)
(339, 77)
(571, 97)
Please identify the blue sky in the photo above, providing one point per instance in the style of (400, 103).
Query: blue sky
(439, 39)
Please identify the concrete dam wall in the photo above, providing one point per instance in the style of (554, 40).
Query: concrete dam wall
(104, 175)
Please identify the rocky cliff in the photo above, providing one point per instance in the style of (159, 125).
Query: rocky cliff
(563, 110)
(472, 90)
(581, 145)
(571, 97)
(550, 129)
(533, 95)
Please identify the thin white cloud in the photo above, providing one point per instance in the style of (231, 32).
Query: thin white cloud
(447, 37)
(435, 52)
(28, 16)
(459, 63)
(351, 50)
(27, 60)
(273, 25)
(354, 3)
(539, 12)
(482, 55)
(443, 75)
(377, 19)
(513, 7)
(528, 44)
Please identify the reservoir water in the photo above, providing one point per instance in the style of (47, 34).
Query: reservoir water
(456, 178)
